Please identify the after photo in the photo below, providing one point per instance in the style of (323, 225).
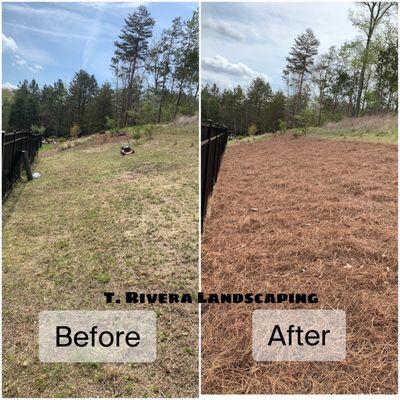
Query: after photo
(299, 109)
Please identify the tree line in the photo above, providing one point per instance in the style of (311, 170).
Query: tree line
(356, 78)
(155, 79)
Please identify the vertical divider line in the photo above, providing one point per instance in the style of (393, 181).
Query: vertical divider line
(200, 206)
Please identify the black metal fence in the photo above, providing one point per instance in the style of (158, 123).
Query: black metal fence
(213, 142)
(14, 145)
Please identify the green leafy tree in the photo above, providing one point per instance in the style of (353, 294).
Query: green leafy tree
(168, 46)
(368, 20)
(187, 59)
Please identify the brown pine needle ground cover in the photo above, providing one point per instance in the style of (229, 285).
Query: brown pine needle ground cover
(308, 216)
(93, 222)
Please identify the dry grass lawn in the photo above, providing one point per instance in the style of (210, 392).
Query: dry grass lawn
(95, 222)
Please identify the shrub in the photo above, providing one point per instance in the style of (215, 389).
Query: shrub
(114, 131)
(282, 125)
(74, 131)
(110, 123)
(137, 135)
(252, 130)
(298, 132)
(38, 129)
(148, 130)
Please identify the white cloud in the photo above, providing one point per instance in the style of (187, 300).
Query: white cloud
(223, 28)
(35, 68)
(24, 64)
(221, 65)
(20, 61)
(9, 43)
(9, 86)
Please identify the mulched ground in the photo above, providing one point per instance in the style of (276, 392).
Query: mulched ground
(303, 215)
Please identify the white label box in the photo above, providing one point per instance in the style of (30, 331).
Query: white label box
(299, 335)
(97, 336)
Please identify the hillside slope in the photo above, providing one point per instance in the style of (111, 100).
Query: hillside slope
(95, 222)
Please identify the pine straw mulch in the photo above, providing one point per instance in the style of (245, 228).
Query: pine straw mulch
(308, 216)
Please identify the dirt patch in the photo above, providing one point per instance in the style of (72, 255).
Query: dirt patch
(309, 216)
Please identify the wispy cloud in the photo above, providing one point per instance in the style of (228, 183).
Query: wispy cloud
(91, 40)
(60, 22)
(45, 12)
(9, 43)
(103, 5)
(46, 32)
(223, 28)
(221, 65)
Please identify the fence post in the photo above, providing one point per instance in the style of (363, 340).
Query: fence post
(27, 165)
(13, 166)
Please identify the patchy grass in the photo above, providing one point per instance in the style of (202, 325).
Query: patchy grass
(251, 139)
(47, 146)
(374, 128)
(95, 222)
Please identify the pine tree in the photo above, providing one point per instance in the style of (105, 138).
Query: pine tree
(259, 95)
(103, 107)
(82, 90)
(299, 63)
(130, 53)
(24, 111)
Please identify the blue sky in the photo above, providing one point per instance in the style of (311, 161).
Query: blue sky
(48, 41)
(243, 40)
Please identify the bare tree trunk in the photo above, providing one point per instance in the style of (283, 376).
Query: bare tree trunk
(297, 103)
(178, 100)
(366, 91)
(362, 73)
